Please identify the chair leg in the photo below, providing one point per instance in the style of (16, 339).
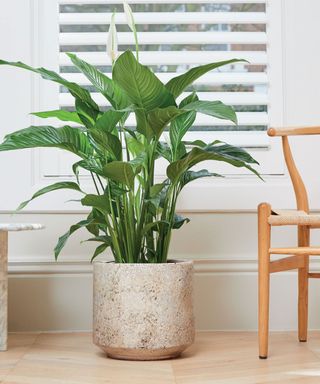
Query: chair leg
(264, 234)
(303, 240)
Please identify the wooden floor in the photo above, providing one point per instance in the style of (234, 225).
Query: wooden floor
(217, 357)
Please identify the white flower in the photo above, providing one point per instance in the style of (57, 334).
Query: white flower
(112, 44)
(129, 15)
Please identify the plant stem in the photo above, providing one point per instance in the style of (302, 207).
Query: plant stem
(95, 184)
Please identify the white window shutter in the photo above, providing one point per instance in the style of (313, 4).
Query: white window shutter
(175, 36)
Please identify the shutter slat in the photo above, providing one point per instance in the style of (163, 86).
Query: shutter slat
(173, 57)
(233, 98)
(210, 78)
(126, 38)
(166, 18)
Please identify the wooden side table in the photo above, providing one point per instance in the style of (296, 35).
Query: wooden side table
(4, 229)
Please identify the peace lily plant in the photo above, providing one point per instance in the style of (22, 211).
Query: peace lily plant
(129, 212)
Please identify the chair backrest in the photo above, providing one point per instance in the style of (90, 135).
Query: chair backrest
(298, 185)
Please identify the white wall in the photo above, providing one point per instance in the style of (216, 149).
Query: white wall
(46, 296)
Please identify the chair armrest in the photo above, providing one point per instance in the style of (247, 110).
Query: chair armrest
(294, 131)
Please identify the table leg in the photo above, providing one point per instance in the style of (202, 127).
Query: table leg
(3, 290)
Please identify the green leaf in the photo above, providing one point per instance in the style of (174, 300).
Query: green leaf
(89, 165)
(180, 126)
(156, 189)
(46, 74)
(159, 118)
(87, 115)
(197, 155)
(134, 144)
(63, 239)
(101, 239)
(196, 143)
(60, 114)
(120, 172)
(108, 121)
(143, 125)
(142, 86)
(116, 191)
(188, 99)
(98, 220)
(154, 225)
(179, 83)
(101, 82)
(213, 108)
(189, 176)
(99, 250)
(231, 151)
(50, 188)
(100, 202)
(155, 195)
(178, 221)
(107, 142)
(164, 150)
(68, 138)
(138, 162)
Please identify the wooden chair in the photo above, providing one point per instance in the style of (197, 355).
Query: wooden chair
(299, 259)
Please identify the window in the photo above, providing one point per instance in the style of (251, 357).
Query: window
(174, 36)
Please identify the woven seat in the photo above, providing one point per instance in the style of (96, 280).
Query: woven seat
(293, 217)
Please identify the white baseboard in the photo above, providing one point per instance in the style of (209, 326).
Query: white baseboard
(71, 265)
(49, 296)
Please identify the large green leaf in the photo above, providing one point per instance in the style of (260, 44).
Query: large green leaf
(60, 114)
(121, 172)
(108, 143)
(63, 239)
(46, 74)
(68, 138)
(50, 188)
(103, 83)
(213, 108)
(108, 121)
(159, 118)
(231, 151)
(141, 85)
(87, 115)
(180, 126)
(179, 83)
(197, 155)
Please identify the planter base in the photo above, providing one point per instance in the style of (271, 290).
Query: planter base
(144, 355)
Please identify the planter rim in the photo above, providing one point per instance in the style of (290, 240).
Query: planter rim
(170, 262)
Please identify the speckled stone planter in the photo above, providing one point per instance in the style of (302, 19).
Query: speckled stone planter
(143, 311)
